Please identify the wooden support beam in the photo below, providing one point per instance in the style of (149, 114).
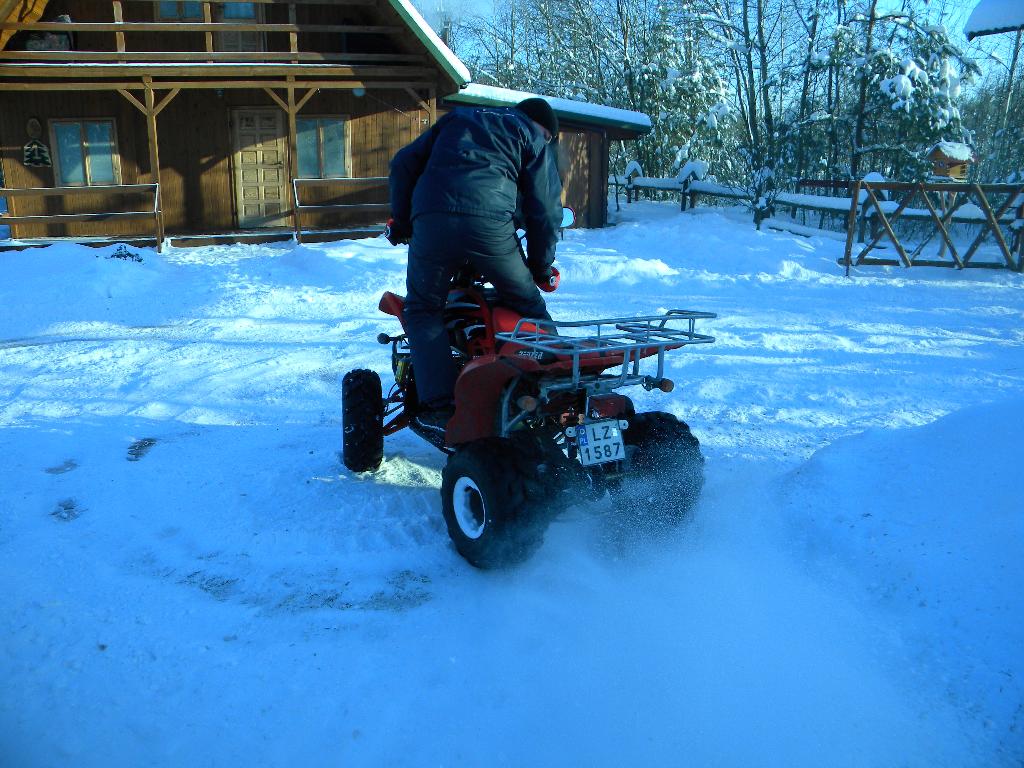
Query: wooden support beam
(885, 223)
(168, 97)
(132, 100)
(285, 104)
(166, 100)
(208, 37)
(154, 153)
(942, 228)
(418, 99)
(293, 157)
(118, 19)
(871, 261)
(306, 97)
(277, 99)
(293, 37)
(993, 224)
(851, 222)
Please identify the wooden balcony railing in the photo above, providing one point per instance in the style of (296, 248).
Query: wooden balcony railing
(152, 212)
(206, 31)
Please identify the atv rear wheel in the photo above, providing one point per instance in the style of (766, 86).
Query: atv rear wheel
(362, 419)
(491, 501)
(665, 471)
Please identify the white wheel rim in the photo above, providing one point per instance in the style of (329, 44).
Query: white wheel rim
(468, 503)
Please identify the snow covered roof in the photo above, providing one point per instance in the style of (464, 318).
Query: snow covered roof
(628, 124)
(991, 17)
(954, 150)
(444, 56)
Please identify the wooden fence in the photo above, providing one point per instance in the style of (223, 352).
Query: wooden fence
(153, 212)
(869, 215)
(993, 207)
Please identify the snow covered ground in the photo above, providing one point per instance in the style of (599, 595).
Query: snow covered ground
(188, 576)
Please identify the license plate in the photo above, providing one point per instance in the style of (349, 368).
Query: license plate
(599, 442)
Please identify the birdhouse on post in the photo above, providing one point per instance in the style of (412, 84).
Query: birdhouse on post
(951, 160)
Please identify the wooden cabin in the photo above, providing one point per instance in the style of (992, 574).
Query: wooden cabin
(253, 119)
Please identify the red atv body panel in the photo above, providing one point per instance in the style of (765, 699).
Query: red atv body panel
(480, 384)
(478, 393)
(391, 304)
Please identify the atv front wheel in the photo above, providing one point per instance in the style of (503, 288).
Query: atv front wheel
(362, 419)
(491, 503)
(665, 472)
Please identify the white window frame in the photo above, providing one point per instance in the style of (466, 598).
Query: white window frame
(346, 149)
(115, 155)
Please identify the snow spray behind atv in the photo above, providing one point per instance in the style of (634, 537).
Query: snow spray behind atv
(538, 424)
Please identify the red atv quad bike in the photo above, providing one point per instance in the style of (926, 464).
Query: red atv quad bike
(538, 424)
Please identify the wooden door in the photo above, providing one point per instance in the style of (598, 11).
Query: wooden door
(260, 168)
(574, 164)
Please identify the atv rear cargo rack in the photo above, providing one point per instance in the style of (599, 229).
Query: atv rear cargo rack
(631, 338)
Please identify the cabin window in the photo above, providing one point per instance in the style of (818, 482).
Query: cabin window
(85, 152)
(240, 42)
(179, 10)
(239, 11)
(321, 145)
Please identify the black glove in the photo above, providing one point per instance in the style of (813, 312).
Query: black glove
(547, 279)
(397, 232)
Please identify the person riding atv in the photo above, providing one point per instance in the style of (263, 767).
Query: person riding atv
(454, 195)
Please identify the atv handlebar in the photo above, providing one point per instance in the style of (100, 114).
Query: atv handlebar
(550, 283)
(396, 234)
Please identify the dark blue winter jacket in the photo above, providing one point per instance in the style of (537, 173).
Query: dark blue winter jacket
(478, 161)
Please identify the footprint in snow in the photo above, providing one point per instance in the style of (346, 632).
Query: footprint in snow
(66, 510)
(140, 448)
(67, 466)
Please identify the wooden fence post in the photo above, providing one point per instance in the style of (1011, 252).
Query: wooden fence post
(851, 225)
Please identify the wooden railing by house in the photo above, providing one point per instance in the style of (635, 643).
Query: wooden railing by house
(152, 212)
(342, 186)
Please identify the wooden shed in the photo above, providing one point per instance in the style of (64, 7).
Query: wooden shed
(585, 134)
(139, 118)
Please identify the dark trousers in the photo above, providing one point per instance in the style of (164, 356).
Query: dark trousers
(441, 244)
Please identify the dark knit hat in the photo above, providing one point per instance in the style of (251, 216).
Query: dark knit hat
(540, 111)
